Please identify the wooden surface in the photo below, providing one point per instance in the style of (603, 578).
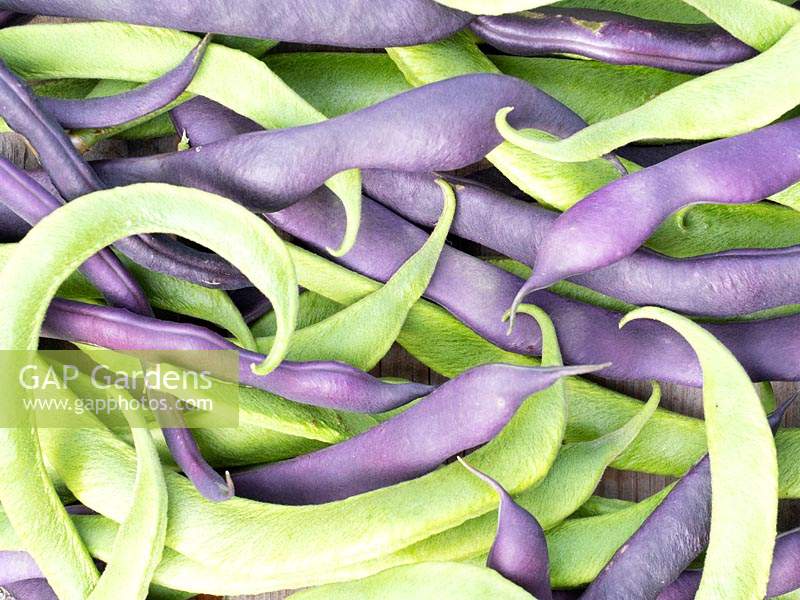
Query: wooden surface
(615, 484)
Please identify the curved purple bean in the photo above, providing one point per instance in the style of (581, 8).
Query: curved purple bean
(478, 294)
(184, 449)
(674, 534)
(611, 223)
(519, 550)
(71, 176)
(445, 125)
(731, 283)
(351, 23)
(613, 38)
(130, 106)
(321, 383)
(462, 413)
(205, 121)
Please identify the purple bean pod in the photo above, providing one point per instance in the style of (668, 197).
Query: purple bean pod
(184, 450)
(462, 413)
(613, 38)
(70, 175)
(479, 294)
(73, 177)
(731, 283)
(30, 589)
(674, 534)
(519, 550)
(205, 121)
(130, 106)
(320, 383)
(442, 126)
(349, 23)
(611, 223)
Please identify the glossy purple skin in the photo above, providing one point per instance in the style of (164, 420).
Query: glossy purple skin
(462, 413)
(130, 106)
(731, 283)
(321, 383)
(349, 23)
(31, 589)
(32, 202)
(674, 534)
(611, 223)
(519, 550)
(442, 126)
(613, 38)
(479, 294)
(205, 121)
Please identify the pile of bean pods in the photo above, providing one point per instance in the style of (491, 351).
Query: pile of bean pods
(536, 200)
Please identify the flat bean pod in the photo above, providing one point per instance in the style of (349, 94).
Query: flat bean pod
(613, 38)
(734, 283)
(588, 334)
(679, 114)
(446, 125)
(360, 23)
(613, 222)
(319, 383)
(740, 448)
(130, 106)
(73, 233)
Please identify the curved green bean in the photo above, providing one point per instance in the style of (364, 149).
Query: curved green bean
(743, 96)
(43, 260)
(363, 333)
(140, 539)
(758, 23)
(741, 449)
